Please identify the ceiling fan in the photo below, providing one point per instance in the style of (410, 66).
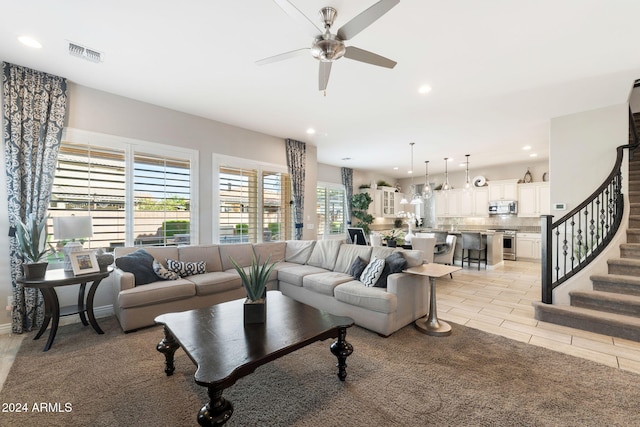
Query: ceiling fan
(328, 47)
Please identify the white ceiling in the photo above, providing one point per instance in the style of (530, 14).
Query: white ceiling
(499, 69)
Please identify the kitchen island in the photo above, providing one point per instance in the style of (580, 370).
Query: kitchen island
(494, 246)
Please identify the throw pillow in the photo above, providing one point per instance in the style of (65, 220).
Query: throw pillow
(163, 273)
(357, 267)
(394, 263)
(187, 268)
(140, 263)
(372, 272)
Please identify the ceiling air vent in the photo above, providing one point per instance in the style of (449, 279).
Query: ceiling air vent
(85, 53)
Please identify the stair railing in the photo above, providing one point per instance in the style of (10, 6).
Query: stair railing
(576, 239)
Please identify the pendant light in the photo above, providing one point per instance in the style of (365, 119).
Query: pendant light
(416, 199)
(445, 185)
(467, 182)
(426, 189)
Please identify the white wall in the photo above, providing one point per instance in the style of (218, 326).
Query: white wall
(582, 151)
(101, 112)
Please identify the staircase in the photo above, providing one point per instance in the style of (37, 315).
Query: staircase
(613, 306)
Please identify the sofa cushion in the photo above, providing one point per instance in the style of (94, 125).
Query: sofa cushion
(394, 263)
(157, 292)
(298, 251)
(160, 253)
(357, 267)
(381, 251)
(414, 257)
(372, 272)
(371, 298)
(325, 253)
(210, 254)
(185, 269)
(241, 253)
(348, 253)
(294, 275)
(275, 250)
(216, 281)
(324, 283)
(163, 273)
(140, 263)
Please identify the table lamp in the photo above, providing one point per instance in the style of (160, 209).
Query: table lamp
(71, 228)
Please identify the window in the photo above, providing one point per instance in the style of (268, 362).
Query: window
(254, 205)
(330, 210)
(133, 197)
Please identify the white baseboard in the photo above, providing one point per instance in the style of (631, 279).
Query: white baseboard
(103, 311)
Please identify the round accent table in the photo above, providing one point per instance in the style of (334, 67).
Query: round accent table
(52, 310)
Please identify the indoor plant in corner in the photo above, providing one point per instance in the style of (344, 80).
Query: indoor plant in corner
(32, 240)
(255, 284)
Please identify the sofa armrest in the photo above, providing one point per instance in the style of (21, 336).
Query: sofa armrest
(412, 293)
(123, 280)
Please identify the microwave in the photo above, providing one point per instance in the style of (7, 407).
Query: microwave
(503, 207)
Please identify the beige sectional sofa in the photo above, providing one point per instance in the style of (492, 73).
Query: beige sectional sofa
(316, 273)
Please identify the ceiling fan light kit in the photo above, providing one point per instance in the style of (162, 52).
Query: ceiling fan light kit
(328, 47)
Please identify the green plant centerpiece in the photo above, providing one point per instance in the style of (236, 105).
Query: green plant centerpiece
(359, 204)
(255, 284)
(32, 240)
(393, 237)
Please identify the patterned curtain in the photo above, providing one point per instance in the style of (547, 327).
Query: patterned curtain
(347, 181)
(296, 158)
(34, 109)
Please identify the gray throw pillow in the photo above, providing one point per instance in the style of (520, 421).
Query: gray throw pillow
(140, 263)
(394, 263)
(357, 267)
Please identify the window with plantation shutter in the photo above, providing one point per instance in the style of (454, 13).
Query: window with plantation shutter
(162, 187)
(91, 179)
(254, 205)
(132, 196)
(330, 211)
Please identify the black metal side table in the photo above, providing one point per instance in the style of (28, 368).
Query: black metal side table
(53, 312)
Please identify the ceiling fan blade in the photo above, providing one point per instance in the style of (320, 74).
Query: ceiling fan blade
(323, 75)
(299, 17)
(283, 56)
(366, 18)
(369, 57)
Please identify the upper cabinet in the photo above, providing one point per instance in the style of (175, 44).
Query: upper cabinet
(389, 201)
(534, 199)
(456, 203)
(503, 190)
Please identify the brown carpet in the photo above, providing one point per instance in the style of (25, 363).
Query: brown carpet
(471, 378)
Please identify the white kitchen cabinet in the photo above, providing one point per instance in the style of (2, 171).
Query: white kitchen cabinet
(474, 203)
(503, 190)
(528, 246)
(389, 201)
(534, 199)
(447, 203)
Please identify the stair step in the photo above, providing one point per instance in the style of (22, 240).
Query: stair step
(624, 266)
(616, 283)
(634, 221)
(628, 305)
(630, 250)
(633, 235)
(611, 324)
(634, 208)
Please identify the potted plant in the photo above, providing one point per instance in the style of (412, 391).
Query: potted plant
(359, 204)
(32, 240)
(255, 284)
(393, 237)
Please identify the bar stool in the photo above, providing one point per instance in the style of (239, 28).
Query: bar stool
(473, 242)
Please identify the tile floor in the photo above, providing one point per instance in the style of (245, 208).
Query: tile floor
(496, 301)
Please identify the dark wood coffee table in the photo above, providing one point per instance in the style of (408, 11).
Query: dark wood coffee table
(224, 349)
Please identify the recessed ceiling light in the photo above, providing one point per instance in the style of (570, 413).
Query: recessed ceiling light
(311, 131)
(28, 41)
(395, 168)
(424, 89)
(533, 155)
(526, 147)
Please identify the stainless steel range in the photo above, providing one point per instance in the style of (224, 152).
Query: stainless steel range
(508, 243)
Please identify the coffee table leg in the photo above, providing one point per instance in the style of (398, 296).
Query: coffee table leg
(218, 411)
(168, 347)
(342, 349)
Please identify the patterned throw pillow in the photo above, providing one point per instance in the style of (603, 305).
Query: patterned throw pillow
(163, 273)
(186, 268)
(372, 272)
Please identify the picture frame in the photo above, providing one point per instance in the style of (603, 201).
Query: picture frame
(84, 262)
